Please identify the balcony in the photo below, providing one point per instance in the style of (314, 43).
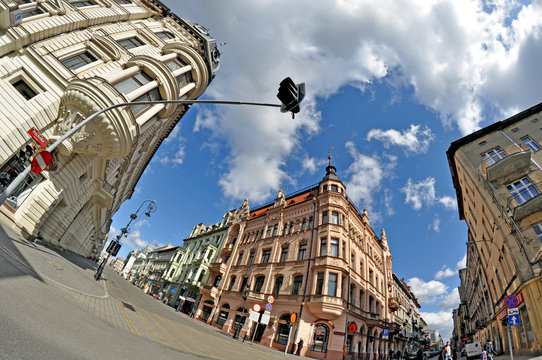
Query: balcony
(228, 248)
(393, 305)
(326, 307)
(218, 268)
(209, 290)
(516, 160)
(527, 208)
(330, 261)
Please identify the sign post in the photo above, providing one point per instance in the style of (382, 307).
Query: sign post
(513, 317)
(288, 342)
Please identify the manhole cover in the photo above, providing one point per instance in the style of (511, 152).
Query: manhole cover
(128, 306)
(54, 265)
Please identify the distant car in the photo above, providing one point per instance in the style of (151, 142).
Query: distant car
(411, 356)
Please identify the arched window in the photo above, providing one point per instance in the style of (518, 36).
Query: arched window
(283, 329)
(320, 338)
(201, 275)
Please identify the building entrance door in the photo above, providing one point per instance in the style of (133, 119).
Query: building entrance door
(259, 332)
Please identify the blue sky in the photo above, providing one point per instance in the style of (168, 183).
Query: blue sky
(390, 84)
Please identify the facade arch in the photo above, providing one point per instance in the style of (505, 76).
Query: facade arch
(200, 72)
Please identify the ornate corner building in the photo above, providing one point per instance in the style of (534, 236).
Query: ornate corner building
(317, 254)
(497, 175)
(63, 60)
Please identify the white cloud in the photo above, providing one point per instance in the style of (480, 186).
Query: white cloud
(312, 164)
(388, 199)
(366, 174)
(427, 292)
(423, 192)
(454, 54)
(415, 140)
(435, 226)
(444, 273)
(175, 159)
(461, 264)
(442, 321)
(450, 300)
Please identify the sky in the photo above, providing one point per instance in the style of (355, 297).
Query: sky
(390, 84)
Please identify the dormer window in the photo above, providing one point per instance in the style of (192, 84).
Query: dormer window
(334, 188)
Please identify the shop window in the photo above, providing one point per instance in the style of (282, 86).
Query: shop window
(320, 338)
(222, 317)
(283, 329)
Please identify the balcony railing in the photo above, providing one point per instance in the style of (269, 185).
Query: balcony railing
(516, 159)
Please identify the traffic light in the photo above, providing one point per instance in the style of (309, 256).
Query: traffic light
(113, 248)
(26, 153)
(290, 95)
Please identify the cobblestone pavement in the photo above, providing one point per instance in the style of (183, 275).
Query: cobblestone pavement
(115, 301)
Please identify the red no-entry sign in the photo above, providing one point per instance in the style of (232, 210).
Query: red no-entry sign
(41, 161)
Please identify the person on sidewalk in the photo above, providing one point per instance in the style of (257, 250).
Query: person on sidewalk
(419, 354)
(488, 347)
(299, 347)
(447, 351)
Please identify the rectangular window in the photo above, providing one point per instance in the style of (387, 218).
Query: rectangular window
(285, 230)
(123, 2)
(302, 252)
(239, 258)
(291, 228)
(258, 284)
(319, 283)
(275, 229)
(304, 224)
(493, 156)
(130, 43)
(311, 222)
(132, 83)
(323, 249)
(24, 89)
(522, 190)
(335, 217)
(26, 13)
(284, 254)
(324, 217)
(175, 64)
(244, 283)
(79, 60)
(268, 233)
(82, 3)
(531, 144)
(265, 256)
(538, 230)
(165, 35)
(251, 258)
(332, 285)
(278, 285)
(334, 188)
(334, 247)
(298, 280)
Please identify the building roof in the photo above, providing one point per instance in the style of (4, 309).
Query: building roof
(294, 199)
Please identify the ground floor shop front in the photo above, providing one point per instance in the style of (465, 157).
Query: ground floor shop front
(324, 334)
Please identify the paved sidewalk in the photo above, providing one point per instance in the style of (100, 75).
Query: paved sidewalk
(516, 357)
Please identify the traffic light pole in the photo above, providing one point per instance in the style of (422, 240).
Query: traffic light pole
(22, 175)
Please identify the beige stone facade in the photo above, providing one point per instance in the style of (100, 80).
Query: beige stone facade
(497, 175)
(319, 257)
(61, 61)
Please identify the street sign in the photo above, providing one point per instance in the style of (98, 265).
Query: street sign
(265, 318)
(268, 307)
(513, 320)
(270, 299)
(385, 333)
(254, 316)
(293, 318)
(42, 140)
(41, 161)
(511, 301)
(257, 307)
(514, 311)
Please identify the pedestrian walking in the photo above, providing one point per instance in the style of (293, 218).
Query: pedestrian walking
(398, 355)
(488, 347)
(484, 355)
(447, 351)
(419, 354)
(299, 347)
(454, 353)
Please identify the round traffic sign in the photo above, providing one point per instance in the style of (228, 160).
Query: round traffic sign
(352, 327)
(293, 317)
(511, 301)
(268, 307)
(41, 161)
(257, 307)
(270, 299)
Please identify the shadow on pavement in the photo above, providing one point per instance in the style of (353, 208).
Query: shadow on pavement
(13, 263)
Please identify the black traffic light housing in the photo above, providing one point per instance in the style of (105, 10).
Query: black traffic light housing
(113, 248)
(290, 95)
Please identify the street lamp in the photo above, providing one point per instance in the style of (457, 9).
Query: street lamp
(114, 245)
(290, 95)
(245, 297)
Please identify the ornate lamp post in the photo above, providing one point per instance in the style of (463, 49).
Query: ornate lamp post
(114, 245)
